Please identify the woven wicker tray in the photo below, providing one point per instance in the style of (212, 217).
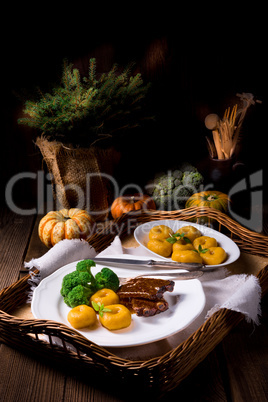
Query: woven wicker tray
(159, 374)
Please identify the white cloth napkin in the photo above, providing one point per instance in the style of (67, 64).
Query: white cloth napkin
(240, 293)
(61, 254)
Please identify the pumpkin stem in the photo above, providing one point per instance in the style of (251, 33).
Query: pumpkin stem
(212, 197)
(132, 199)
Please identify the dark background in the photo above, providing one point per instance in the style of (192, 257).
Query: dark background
(196, 67)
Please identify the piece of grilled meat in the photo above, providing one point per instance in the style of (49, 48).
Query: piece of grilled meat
(146, 288)
(144, 296)
(145, 307)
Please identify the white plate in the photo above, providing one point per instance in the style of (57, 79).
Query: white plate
(185, 303)
(141, 234)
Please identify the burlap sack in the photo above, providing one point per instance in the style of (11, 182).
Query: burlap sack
(79, 176)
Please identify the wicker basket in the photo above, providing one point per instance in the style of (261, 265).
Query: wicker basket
(157, 375)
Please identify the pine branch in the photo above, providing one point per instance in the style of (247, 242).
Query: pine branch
(88, 105)
(92, 72)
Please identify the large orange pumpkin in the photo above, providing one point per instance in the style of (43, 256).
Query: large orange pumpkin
(64, 224)
(129, 203)
(212, 199)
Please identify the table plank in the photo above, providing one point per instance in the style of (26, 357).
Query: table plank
(24, 378)
(81, 389)
(15, 232)
(246, 355)
(36, 248)
(207, 382)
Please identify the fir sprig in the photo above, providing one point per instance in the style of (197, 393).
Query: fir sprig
(86, 108)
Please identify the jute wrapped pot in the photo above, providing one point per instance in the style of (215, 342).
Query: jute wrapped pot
(80, 176)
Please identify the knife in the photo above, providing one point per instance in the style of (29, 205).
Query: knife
(171, 275)
(189, 266)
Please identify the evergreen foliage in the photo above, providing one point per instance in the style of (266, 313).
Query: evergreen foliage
(83, 109)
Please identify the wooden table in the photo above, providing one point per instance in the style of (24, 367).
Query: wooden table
(236, 370)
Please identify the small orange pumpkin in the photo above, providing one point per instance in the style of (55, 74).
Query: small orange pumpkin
(71, 223)
(212, 199)
(129, 203)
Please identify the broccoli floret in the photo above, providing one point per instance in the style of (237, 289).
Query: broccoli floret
(85, 266)
(192, 179)
(163, 202)
(180, 196)
(166, 182)
(73, 279)
(79, 285)
(107, 278)
(171, 190)
(79, 295)
(82, 277)
(177, 174)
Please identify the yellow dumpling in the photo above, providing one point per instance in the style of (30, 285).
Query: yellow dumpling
(160, 246)
(82, 316)
(190, 232)
(117, 317)
(214, 256)
(182, 245)
(105, 296)
(204, 242)
(160, 232)
(186, 256)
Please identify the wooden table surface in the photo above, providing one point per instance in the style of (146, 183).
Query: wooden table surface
(236, 370)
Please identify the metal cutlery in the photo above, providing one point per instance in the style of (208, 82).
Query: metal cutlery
(182, 276)
(125, 262)
(194, 270)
